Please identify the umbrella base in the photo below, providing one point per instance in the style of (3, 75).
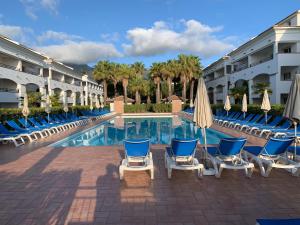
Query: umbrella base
(209, 172)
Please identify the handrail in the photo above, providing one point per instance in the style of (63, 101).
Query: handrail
(7, 66)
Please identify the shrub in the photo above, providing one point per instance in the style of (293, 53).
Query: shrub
(142, 108)
(275, 109)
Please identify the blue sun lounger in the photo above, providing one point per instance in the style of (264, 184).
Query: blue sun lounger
(137, 157)
(272, 155)
(181, 156)
(228, 156)
(278, 221)
(272, 124)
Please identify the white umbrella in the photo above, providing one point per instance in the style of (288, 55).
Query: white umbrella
(191, 103)
(101, 101)
(25, 110)
(97, 102)
(292, 107)
(227, 105)
(203, 114)
(48, 106)
(265, 105)
(91, 103)
(66, 109)
(244, 105)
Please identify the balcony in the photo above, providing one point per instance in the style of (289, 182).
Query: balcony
(239, 67)
(7, 66)
(262, 61)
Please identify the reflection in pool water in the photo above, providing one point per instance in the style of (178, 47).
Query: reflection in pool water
(159, 130)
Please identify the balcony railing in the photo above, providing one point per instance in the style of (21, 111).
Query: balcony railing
(240, 67)
(7, 66)
(31, 72)
(10, 90)
(262, 61)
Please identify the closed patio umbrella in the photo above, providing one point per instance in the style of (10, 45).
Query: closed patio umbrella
(66, 108)
(97, 102)
(48, 106)
(265, 105)
(292, 107)
(203, 114)
(227, 105)
(91, 103)
(191, 103)
(244, 105)
(25, 110)
(101, 102)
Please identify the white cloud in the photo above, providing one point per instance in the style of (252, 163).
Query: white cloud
(51, 5)
(110, 37)
(195, 38)
(15, 32)
(57, 36)
(33, 6)
(80, 52)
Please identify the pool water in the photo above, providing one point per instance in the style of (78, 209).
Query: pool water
(160, 130)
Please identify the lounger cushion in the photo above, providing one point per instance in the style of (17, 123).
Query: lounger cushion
(278, 221)
(212, 151)
(292, 149)
(255, 150)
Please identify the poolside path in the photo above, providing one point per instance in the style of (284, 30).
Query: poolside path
(79, 186)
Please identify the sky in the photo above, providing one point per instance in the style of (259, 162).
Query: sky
(126, 31)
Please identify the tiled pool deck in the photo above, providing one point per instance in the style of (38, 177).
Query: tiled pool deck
(76, 186)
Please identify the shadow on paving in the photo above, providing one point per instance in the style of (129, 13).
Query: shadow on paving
(38, 197)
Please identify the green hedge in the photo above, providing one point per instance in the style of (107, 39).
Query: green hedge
(14, 113)
(142, 108)
(275, 109)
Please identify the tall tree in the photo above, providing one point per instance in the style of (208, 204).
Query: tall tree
(156, 74)
(237, 93)
(189, 66)
(170, 70)
(115, 76)
(259, 88)
(196, 72)
(139, 68)
(102, 73)
(125, 72)
(136, 87)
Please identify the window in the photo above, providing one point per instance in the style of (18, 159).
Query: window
(287, 76)
(287, 50)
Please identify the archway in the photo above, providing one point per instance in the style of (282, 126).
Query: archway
(259, 81)
(9, 97)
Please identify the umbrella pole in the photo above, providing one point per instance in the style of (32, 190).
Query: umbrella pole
(227, 113)
(205, 146)
(244, 115)
(25, 121)
(295, 143)
(266, 117)
(48, 118)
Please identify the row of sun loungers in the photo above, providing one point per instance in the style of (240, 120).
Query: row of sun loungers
(276, 126)
(21, 130)
(231, 153)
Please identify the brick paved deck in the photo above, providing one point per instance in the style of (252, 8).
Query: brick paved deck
(76, 186)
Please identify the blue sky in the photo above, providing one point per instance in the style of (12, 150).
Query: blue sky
(81, 31)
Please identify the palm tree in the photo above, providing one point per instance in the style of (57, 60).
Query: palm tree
(156, 74)
(115, 76)
(169, 71)
(124, 72)
(101, 74)
(238, 92)
(148, 87)
(139, 68)
(259, 88)
(189, 67)
(136, 87)
(196, 72)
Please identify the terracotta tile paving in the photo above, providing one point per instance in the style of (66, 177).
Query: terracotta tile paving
(81, 186)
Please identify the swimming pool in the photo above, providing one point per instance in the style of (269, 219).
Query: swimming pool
(160, 130)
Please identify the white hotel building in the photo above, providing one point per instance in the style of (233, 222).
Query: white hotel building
(23, 69)
(273, 57)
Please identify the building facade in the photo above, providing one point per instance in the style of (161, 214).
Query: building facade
(25, 70)
(271, 57)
